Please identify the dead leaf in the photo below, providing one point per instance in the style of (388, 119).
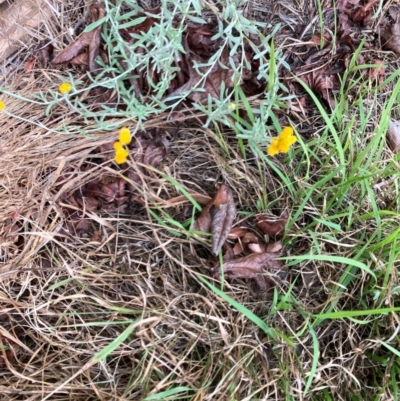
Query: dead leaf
(29, 65)
(251, 265)
(274, 247)
(271, 225)
(238, 248)
(217, 217)
(109, 192)
(258, 248)
(391, 36)
(394, 135)
(198, 39)
(355, 11)
(364, 13)
(318, 39)
(88, 42)
(237, 232)
(211, 82)
(321, 82)
(203, 222)
(223, 213)
(45, 53)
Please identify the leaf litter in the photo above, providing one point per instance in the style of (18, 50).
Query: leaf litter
(320, 68)
(217, 218)
(87, 47)
(111, 193)
(322, 65)
(246, 254)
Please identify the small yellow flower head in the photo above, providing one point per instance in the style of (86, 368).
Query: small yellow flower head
(232, 106)
(282, 143)
(125, 136)
(65, 87)
(286, 133)
(117, 145)
(121, 155)
(2, 105)
(273, 149)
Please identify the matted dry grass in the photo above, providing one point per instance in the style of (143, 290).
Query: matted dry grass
(65, 298)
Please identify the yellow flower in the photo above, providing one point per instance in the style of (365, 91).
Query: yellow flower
(2, 105)
(125, 136)
(282, 143)
(273, 149)
(232, 106)
(286, 132)
(117, 145)
(121, 155)
(65, 87)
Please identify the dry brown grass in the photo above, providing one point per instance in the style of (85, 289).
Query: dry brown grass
(65, 298)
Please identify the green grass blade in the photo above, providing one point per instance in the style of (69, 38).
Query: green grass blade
(242, 309)
(315, 359)
(331, 258)
(353, 313)
(117, 342)
(164, 395)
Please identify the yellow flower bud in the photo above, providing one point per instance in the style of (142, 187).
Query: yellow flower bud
(125, 136)
(65, 87)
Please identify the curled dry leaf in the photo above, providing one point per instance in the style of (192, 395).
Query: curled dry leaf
(217, 217)
(272, 226)
(393, 135)
(223, 214)
(251, 265)
(88, 42)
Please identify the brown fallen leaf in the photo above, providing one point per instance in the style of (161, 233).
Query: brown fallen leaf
(393, 135)
(45, 53)
(223, 213)
(217, 217)
(391, 37)
(30, 63)
(274, 247)
(238, 248)
(321, 82)
(198, 39)
(237, 232)
(357, 13)
(87, 42)
(363, 14)
(251, 265)
(203, 222)
(211, 83)
(272, 226)
(258, 248)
